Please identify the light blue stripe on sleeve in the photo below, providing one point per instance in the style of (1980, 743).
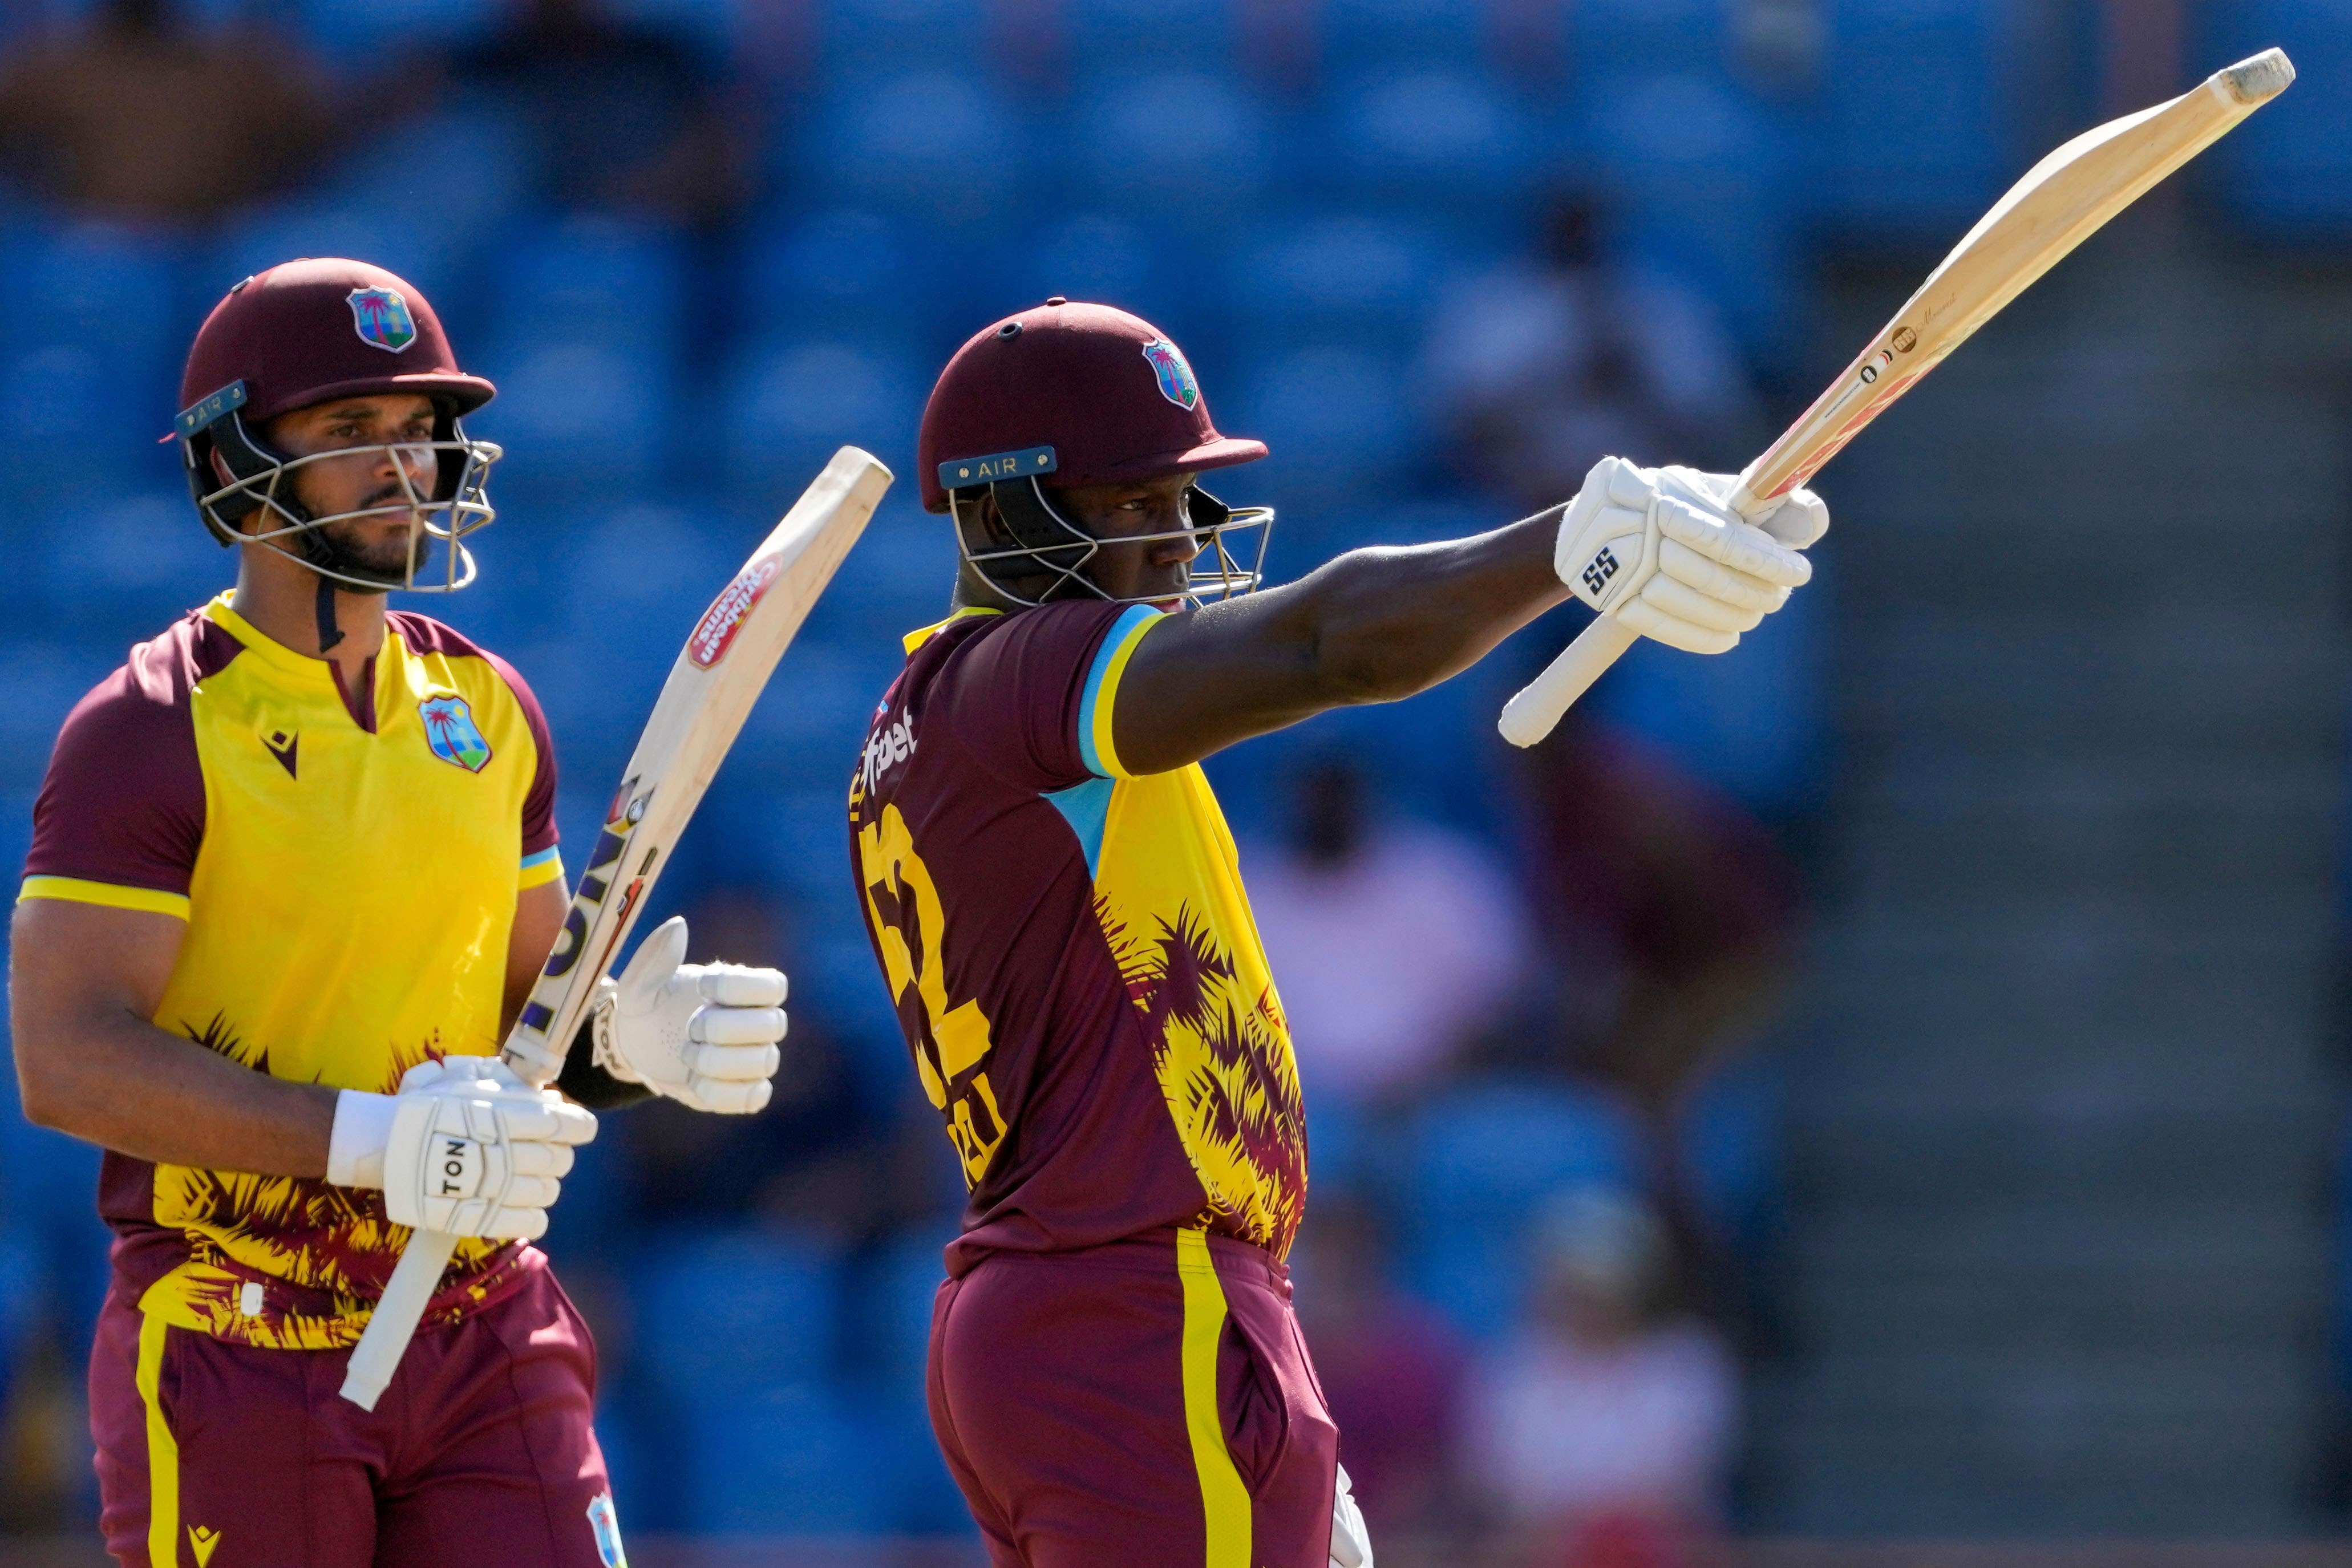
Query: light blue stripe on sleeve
(1134, 616)
(552, 855)
(1086, 808)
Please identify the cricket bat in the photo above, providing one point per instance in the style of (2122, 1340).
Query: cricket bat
(719, 674)
(2060, 203)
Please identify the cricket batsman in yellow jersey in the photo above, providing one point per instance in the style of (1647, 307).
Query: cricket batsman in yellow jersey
(293, 873)
(1116, 1372)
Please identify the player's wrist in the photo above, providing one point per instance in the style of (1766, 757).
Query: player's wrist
(604, 1034)
(361, 1134)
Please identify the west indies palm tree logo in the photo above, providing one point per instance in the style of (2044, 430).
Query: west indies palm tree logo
(381, 318)
(450, 731)
(1176, 383)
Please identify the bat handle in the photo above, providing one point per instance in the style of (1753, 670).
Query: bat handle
(1530, 716)
(397, 1312)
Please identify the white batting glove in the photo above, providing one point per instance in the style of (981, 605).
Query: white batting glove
(702, 1034)
(1350, 1547)
(1658, 548)
(465, 1147)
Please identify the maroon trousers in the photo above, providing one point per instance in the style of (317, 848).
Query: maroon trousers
(1148, 1405)
(212, 1454)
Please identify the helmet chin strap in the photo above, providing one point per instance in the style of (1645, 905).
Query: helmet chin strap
(324, 555)
(329, 632)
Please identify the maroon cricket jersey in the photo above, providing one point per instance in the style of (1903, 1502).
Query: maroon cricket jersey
(1072, 954)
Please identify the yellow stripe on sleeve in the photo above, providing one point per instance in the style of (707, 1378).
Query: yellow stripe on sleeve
(1225, 1501)
(162, 1449)
(1105, 694)
(539, 869)
(114, 895)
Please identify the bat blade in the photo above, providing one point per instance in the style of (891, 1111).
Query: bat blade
(2058, 204)
(717, 676)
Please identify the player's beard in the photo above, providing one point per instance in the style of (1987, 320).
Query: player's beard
(343, 548)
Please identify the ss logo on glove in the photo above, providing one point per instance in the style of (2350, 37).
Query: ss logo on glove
(1600, 570)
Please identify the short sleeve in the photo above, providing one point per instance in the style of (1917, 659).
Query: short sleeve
(541, 862)
(1032, 696)
(120, 814)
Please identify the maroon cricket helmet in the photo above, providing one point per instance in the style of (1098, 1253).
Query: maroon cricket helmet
(1086, 393)
(305, 332)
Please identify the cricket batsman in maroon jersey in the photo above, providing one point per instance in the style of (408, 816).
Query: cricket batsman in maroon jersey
(1116, 1372)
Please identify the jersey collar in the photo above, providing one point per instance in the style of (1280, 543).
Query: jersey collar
(263, 647)
(920, 635)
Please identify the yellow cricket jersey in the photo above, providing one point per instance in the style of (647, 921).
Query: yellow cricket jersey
(348, 872)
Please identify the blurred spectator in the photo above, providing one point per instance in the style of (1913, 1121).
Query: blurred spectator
(1607, 1422)
(626, 117)
(1675, 891)
(815, 1161)
(136, 117)
(1392, 1369)
(1543, 366)
(1393, 943)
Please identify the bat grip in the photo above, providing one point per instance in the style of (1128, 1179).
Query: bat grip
(397, 1312)
(1529, 717)
(1532, 713)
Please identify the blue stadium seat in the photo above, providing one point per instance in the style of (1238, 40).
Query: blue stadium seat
(117, 295)
(595, 281)
(868, 35)
(356, 37)
(468, 165)
(1920, 134)
(634, 578)
(43, 682)
(789, 1462)
(1477, 1161)
(1446, 140)
(901, 1282)
(1339, 421)
(1152, 32)
(807, 733)
(787, 409)
(844, 272)
(1356, 33)
(577, 418)
(1705, 182)
(1112, 260)
(738, 1314)
(1759, 728)
(895, 580)
(1732, 1152)
(1182, 144)
(365, 231)
(2288, 171)
(951, 147)
(122, 570)
(1349, 278)
(71, 422)
(713, 25)
(1603, 35)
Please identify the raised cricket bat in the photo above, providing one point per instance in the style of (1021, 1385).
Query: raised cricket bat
(719, 673)
(2060, 203)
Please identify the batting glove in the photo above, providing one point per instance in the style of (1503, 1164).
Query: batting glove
(1659, 549)
(466, 1148)
(1350, 1547)
(704, 1035)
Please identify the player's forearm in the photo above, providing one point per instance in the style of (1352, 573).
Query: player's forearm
(1383, 624)
(126, 1085)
